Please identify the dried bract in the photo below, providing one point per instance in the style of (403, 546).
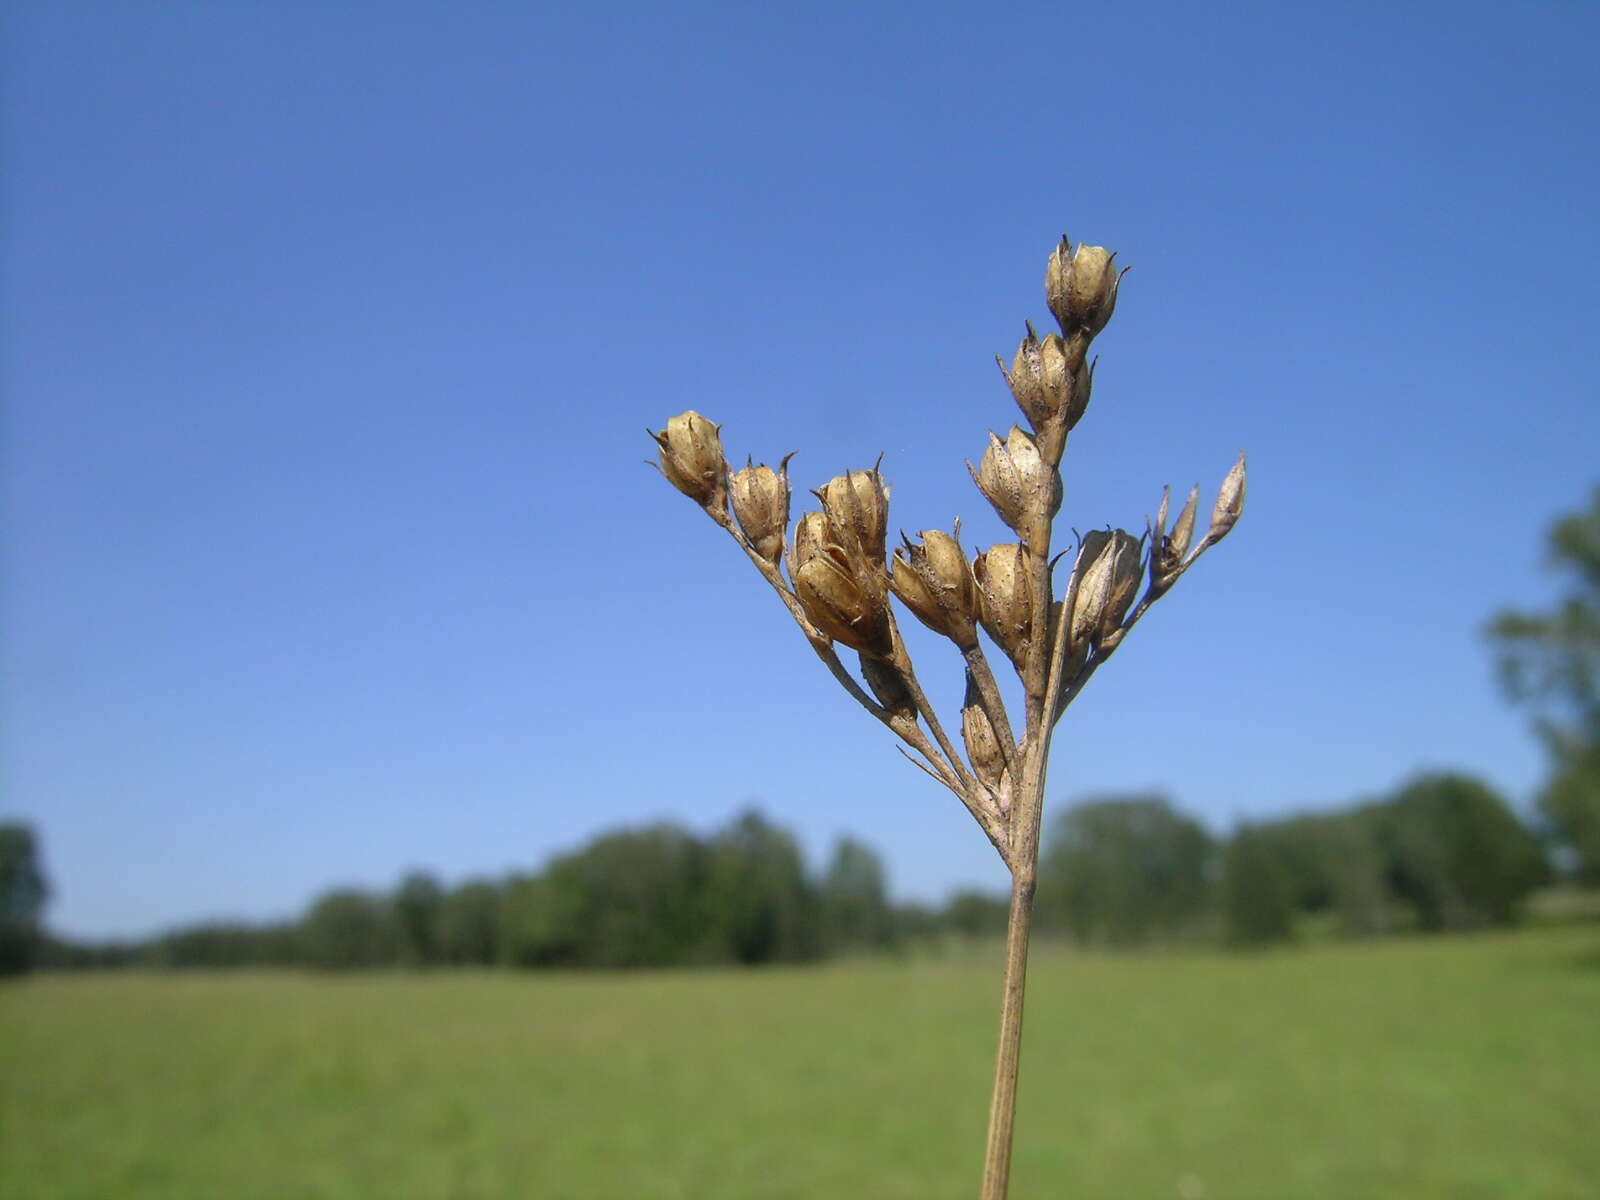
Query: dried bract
(1081, 287)
(760, 498)
(691, 457)
(1170, 549)
(1005, 603)
(935, 582)
(1230, 502)
(1015, 477)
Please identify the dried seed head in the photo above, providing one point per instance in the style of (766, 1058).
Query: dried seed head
(935, 582)
(691, 457)
(858, 505)
(1230, 502)
(761, 503)
(1004, 599)
(889, 686)
(1081, 287)
(983, 746)
(1015, 477)
(843, 604)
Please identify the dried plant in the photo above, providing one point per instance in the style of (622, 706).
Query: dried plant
(840, 578)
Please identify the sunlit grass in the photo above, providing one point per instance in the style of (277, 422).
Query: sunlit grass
(1459, 1068)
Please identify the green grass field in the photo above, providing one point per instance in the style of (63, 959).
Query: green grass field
(1460, 1068)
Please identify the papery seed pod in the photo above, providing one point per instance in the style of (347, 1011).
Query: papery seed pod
(843, 604)
(691, 457)
(1168, 550)
(760, 498)
(1126, 571)
(1091, 586)
(1005, 603)
(1015, 477)
(812, 534)
(1051, 385)
(984, 751)
(1081, 287)
(858, 505)
(935, 582)
(889, 686)
(1230, 502)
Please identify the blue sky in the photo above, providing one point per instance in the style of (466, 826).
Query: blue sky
(332, 333)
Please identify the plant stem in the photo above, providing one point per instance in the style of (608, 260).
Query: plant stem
(1003, 1108)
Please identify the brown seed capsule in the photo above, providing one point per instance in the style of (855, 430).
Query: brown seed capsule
(1081, 287)
(1091, 585)
(1126, 573)
(889, 686)
(935, 582)
(836, 603)
(1106, 579)
(691, 457)
(1004, 599)
(858, 505)
(1050, 385)
(1016, 479)
(983, 746)
(761, 503)
(1230, 502)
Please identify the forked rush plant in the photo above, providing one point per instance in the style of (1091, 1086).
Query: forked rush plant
(840, 579)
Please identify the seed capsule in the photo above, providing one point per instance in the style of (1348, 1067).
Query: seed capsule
(889, 686)
(1081, 287)
(935, 582)
(1004, 599)
(1106, 579)
(760, 498)
(857, 503)
(1016, 479)
(1230, 502)
(691, 457)
(983, 746)
(1050, 384)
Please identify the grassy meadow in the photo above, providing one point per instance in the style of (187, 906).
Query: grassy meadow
(1452, 1068)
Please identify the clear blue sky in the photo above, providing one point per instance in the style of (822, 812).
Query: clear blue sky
(331, 333)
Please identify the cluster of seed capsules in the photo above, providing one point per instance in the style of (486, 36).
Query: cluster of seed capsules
(840, 574)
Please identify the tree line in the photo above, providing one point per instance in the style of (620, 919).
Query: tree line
(1444, 852)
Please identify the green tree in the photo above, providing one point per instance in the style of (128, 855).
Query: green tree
(416, 913)
(976, 914)
(1122, 870)
(854, 902)
(347, 928)
(469, 924)
(1550, 661)
(761, 904)
(23, 892)
(1257, 897)
(1457, 853)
